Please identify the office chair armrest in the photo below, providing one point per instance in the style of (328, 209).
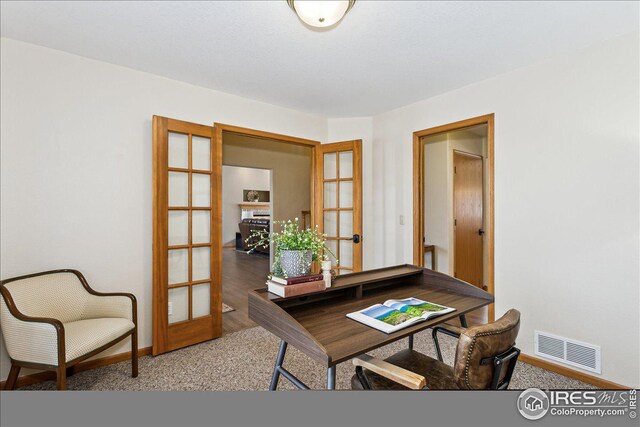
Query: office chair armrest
(392, 372)
(447, 330)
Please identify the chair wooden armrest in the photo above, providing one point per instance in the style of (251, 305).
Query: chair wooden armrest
(102, 304)
(394, 373)
(41, 330)
(11, 306)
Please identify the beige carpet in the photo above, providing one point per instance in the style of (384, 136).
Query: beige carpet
(244, 361)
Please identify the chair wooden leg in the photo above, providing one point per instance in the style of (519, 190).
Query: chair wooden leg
(61, 377)
(10, 384)
(70, 371)
(134, 353)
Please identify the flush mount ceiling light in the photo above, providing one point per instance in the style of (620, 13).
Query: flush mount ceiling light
(320, 14)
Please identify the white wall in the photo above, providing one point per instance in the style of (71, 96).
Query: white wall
(76, 164)
(290, 167)
(437, 200)
(235, 179)
(566, 194)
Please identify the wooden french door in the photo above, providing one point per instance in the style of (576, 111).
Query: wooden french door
(468, 217)
(187, 305)
(338, 201)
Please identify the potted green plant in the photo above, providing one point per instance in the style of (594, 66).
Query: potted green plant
(295, 249)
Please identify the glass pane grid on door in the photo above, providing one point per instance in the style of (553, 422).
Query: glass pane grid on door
(338, 206)
(189, 227)
(343, 248)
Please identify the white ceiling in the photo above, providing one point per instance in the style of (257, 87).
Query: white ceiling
(383, 55)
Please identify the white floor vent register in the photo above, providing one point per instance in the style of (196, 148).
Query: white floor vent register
(565, 350)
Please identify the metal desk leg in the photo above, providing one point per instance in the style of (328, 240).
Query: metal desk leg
(444, 330)
(276, 370)
(463, 321)
(331, 378)
(410, 342)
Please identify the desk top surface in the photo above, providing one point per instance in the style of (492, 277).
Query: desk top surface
(317, 324)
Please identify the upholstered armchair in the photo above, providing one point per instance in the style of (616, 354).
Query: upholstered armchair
(54, 320)
(485, 359)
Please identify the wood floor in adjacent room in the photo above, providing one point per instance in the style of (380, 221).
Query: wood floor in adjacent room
(240, 273)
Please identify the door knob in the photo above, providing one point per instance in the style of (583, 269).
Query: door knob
(356, 238)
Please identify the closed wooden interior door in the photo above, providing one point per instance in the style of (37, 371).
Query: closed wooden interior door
(468, 217)
(187, 306)
(338, 201)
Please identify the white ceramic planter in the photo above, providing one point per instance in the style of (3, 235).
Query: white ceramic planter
(296, 263)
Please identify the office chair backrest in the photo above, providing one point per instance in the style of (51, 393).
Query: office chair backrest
(486, 350)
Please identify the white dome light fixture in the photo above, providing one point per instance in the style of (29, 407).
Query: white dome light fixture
(320, 14)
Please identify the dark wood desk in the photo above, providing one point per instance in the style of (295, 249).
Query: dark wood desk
(316, 324)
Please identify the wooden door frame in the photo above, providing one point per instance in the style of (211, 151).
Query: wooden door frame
(418, 193)
(219, 129)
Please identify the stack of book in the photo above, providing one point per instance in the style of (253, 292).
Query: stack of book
(294, 286)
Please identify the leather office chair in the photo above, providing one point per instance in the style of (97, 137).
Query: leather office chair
(485, 359)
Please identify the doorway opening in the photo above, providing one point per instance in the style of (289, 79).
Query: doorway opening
(453, 203)
(263, 180)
